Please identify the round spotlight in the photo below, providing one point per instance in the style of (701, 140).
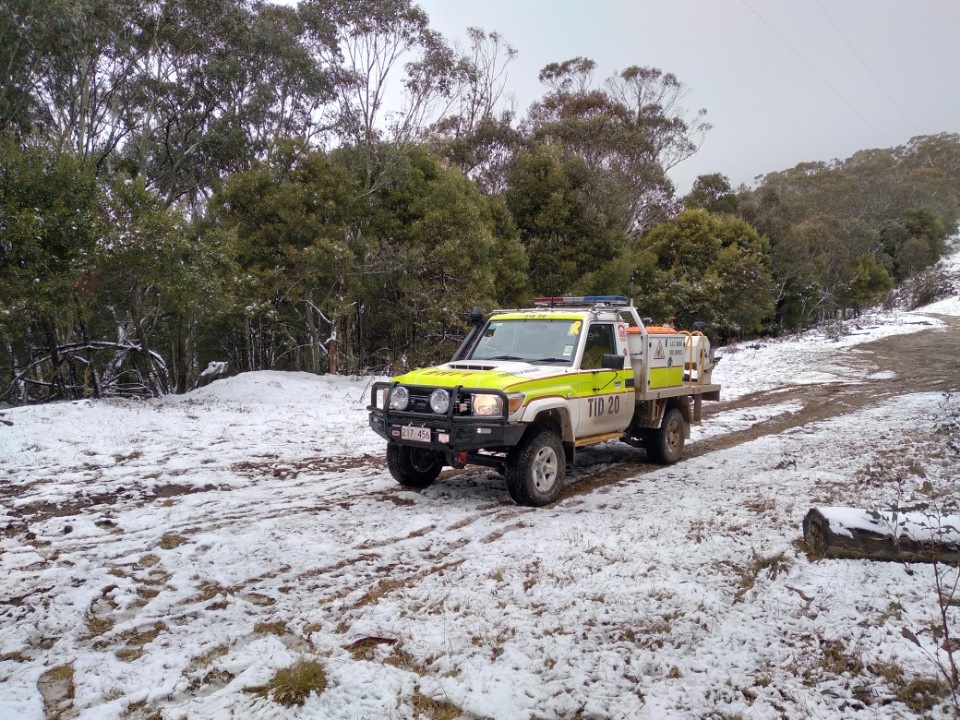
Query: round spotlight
(440, 401)
(399, 398)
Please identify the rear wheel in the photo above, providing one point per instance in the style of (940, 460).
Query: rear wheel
(665, 446)
(413, 467)
(535, 469)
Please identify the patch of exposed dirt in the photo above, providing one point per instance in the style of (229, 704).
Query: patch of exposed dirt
(288, 470)
(169, 491)
(82, 502)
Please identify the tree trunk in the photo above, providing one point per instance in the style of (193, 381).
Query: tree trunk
(57, 383)
(17, 388)
(177, 343)
(333, 349)
(313, 319)
(91, 378)
(249, 344)
(917, 534)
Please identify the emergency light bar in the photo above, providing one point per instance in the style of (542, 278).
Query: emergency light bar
(579, 300)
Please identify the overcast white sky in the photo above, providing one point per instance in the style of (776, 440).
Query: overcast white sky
(783, 81)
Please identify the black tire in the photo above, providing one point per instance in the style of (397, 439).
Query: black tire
(413, 467)
(536, 468)
(665, 446)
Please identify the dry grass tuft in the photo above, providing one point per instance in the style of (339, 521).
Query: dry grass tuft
(384, 587)
(205, 659)
(208, 590)
(60, 673)
(400, 658)
(427, 707)
(918, 694)
(199, 674)
(121, 458)
(97, 626)
(835, 659)
(277, 627)
(171, 541)
(136, 640)
(292, 686)
(771, 565)
(142, 711)
(921, 694)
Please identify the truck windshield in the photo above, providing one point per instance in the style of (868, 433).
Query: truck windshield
(544, 341)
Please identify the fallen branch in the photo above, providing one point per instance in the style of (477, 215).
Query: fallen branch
(900, 535)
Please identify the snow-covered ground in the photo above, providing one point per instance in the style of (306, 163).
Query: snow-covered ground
(160, 559)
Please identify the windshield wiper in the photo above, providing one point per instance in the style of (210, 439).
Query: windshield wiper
(565, 361)
(501, 357)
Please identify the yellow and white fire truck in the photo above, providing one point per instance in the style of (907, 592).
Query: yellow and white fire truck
(528, 388)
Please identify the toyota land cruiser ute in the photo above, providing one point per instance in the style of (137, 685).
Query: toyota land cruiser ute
(528, 388)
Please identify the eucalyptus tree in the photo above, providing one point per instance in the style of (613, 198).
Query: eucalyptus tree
(179, 92)
(441, 247)
(654, 99)
(217, 82)
(711, 268)
(841, 230)
(481, 78)
(477, 133)
(590, 173)
(48, 205)
(150, 288)
(67, 70)
(629, 131)
(554, 201)
(293, 240)
(334, 275)
(370, 49)
(713, 193)
(32, 32)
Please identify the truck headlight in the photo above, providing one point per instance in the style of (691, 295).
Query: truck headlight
(399, 398)
(487, 405)
(440, 401)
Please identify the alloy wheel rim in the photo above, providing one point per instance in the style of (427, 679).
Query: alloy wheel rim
(545, 469)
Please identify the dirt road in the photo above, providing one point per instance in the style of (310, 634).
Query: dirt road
(927, 361)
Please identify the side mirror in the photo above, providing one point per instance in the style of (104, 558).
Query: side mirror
(613, 362)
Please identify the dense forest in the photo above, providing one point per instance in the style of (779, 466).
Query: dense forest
(193, 181)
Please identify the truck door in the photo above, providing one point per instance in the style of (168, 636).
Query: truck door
(606, 401)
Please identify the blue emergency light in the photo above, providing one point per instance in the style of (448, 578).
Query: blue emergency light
(579, 300)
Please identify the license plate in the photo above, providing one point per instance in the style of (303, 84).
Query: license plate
(420, 434)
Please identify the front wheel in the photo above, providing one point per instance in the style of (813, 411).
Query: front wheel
(535, 469)
(665, 446)
(413, 467)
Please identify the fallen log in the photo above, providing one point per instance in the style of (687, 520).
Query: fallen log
(916, 534)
